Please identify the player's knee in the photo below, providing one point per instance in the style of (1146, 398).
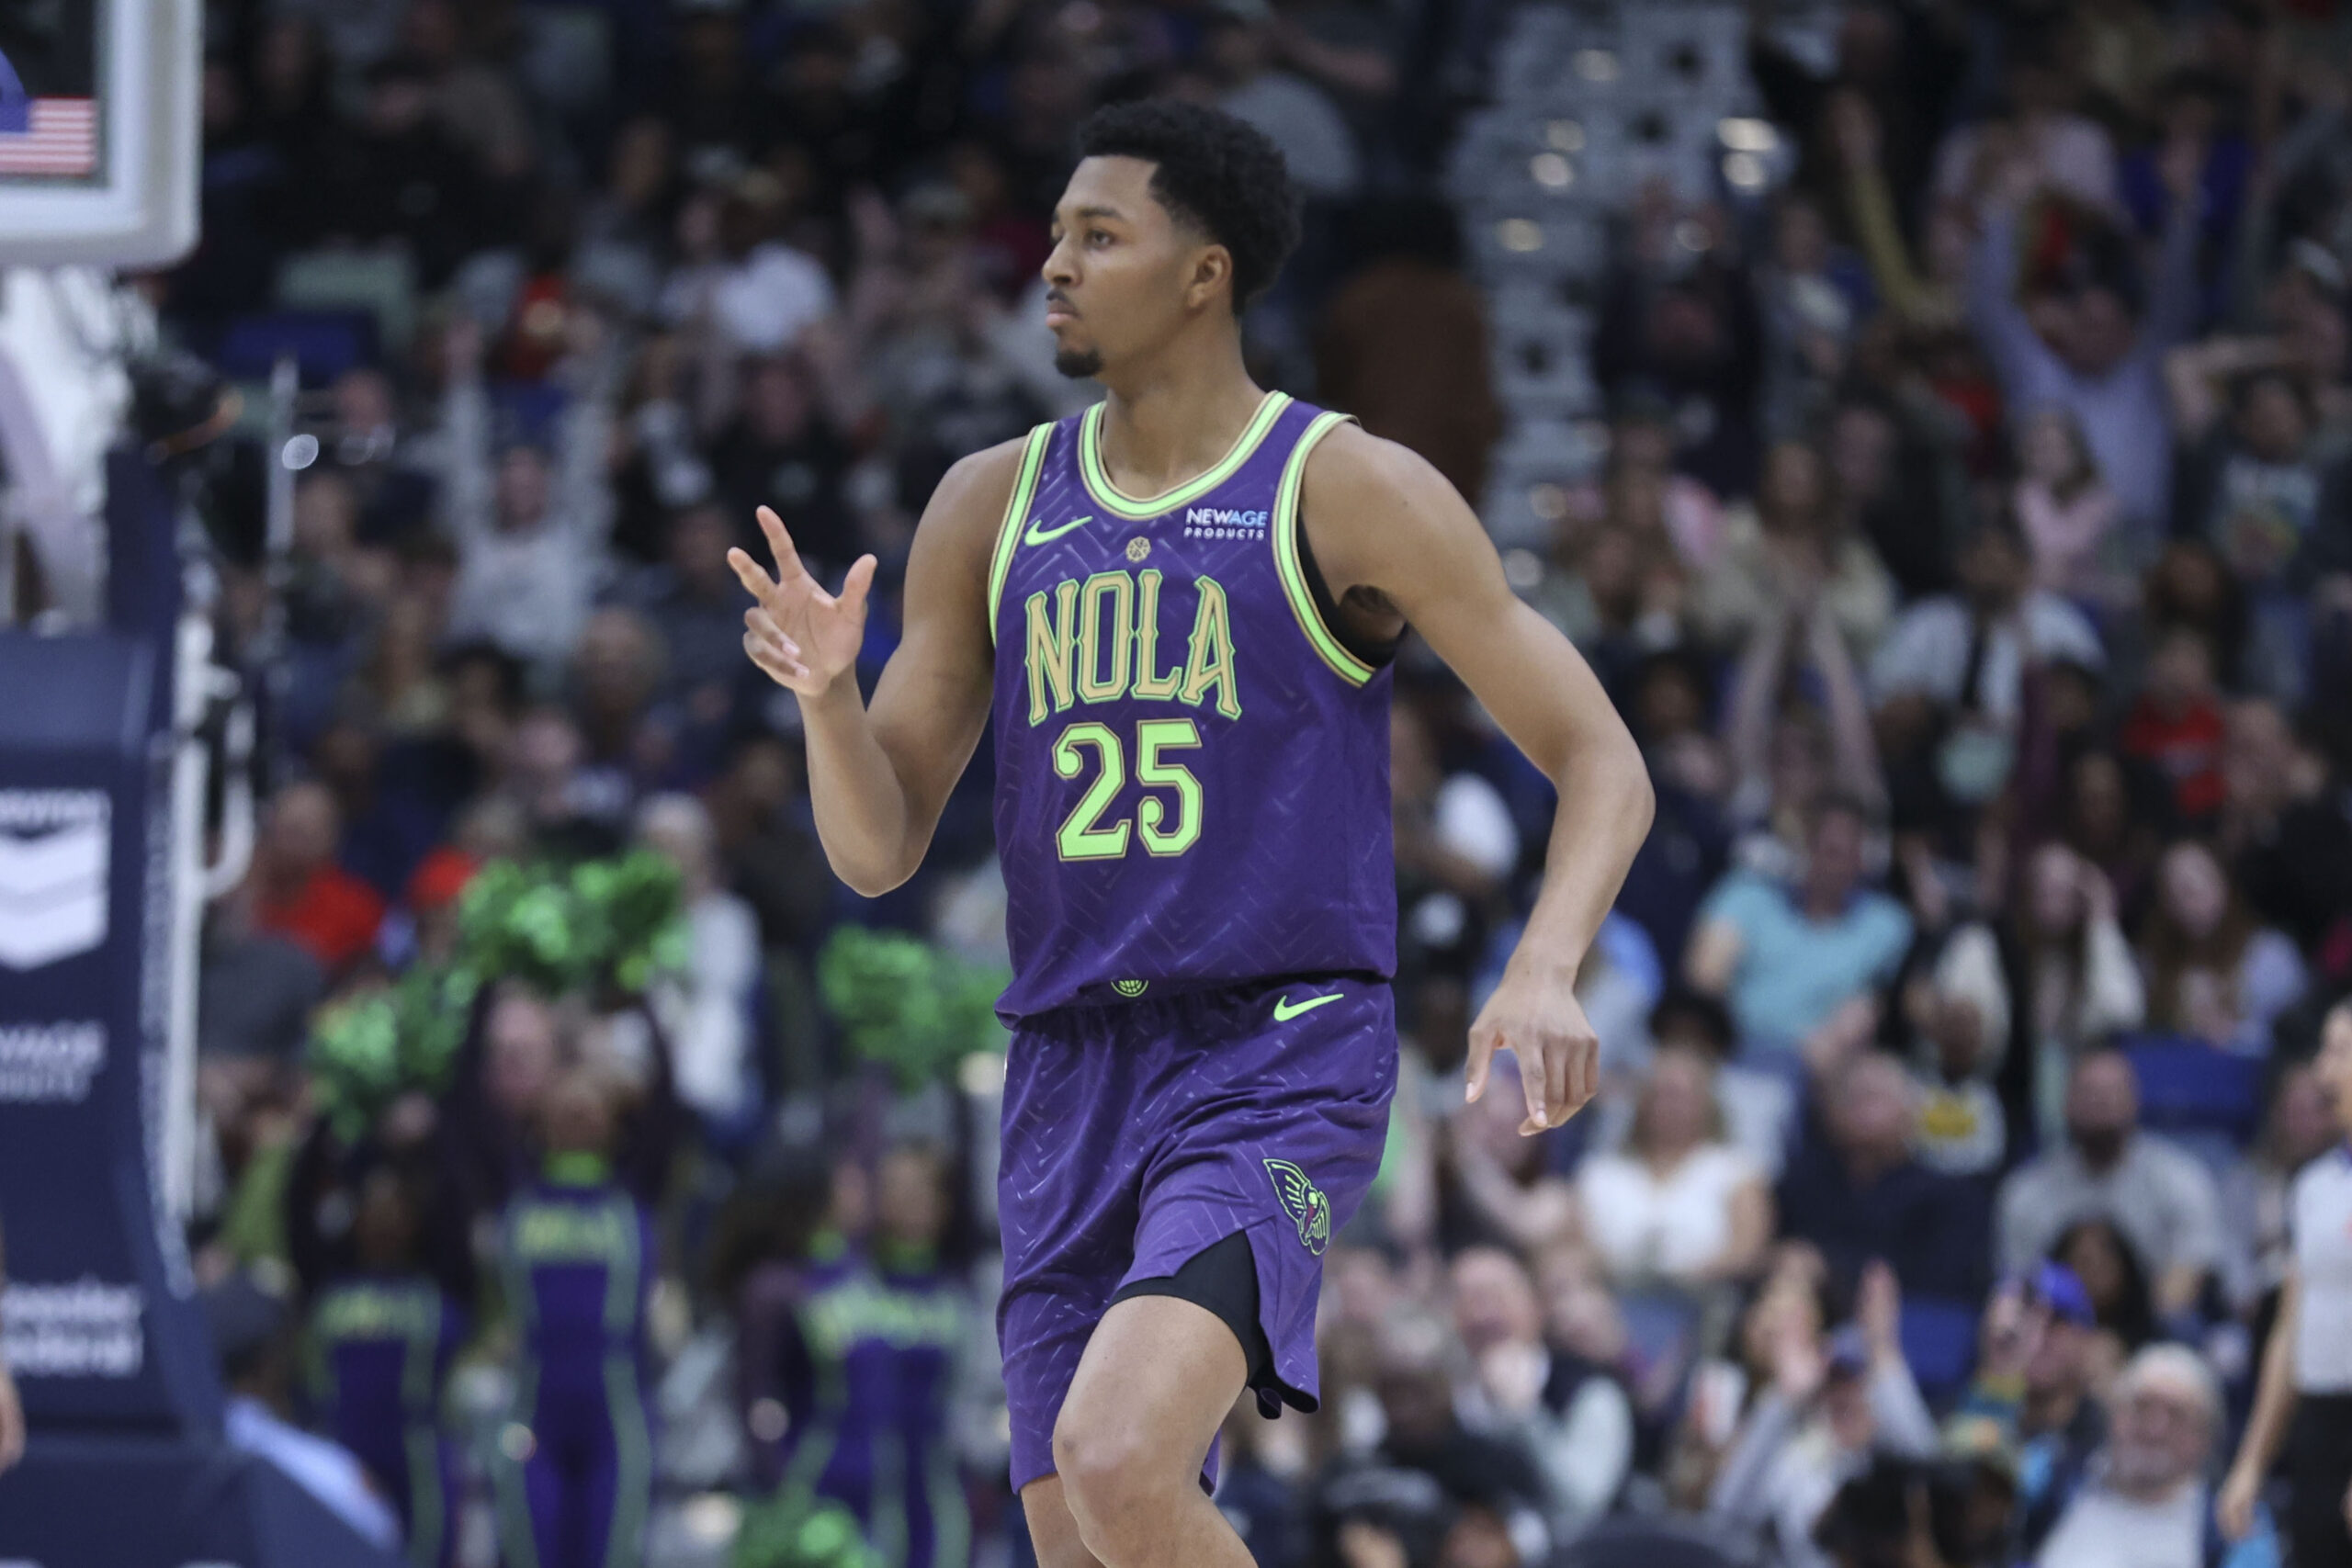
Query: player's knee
(1110, 1473)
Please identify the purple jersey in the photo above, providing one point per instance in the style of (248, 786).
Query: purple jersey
(1192, 768)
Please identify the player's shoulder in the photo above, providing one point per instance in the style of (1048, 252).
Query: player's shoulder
(1350, 456)
(987, 475)
(968, 504)
(1375, 503)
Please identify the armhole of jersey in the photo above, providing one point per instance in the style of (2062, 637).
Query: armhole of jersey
(1016, 509)
(1284, 535)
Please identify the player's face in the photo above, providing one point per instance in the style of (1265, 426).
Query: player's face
(1124, 274)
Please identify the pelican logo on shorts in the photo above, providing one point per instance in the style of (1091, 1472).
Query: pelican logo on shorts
(54, 857)
(1303, 1201)
(1129, 988)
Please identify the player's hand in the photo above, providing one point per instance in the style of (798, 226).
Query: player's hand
(802, 637)
(1536, 1017)
(12, 1422)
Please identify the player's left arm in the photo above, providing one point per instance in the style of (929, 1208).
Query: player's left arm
(1385, 525)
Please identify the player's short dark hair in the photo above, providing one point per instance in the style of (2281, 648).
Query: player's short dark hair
(1216, 173)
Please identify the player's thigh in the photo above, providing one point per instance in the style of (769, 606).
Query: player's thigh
(1155, 1383)
(1053, 1529)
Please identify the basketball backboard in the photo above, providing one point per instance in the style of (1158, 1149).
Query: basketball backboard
(99, 130)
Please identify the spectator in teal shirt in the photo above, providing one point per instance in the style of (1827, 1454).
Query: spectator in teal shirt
(1800, 967)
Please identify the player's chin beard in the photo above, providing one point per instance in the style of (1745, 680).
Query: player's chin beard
(1077, 364)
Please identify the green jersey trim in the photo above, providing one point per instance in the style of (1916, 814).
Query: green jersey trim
(1016, 511)
(1136, 510)
(1285, 538)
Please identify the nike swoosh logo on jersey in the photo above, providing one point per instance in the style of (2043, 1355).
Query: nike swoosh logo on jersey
(1036, 536)
(1285, 1010)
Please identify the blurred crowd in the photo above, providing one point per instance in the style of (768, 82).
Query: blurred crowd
(1971, 554)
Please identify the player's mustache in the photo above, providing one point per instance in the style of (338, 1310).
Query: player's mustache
(1056, 297)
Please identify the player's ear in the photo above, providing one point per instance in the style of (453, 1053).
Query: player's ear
(1212, 272)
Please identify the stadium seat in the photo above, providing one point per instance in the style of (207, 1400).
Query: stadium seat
(381, 283)
(1940, 1341)
(324, 343)
(2194, 1091)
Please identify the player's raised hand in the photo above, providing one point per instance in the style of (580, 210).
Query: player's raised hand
(802, 637)
(1536, 1017)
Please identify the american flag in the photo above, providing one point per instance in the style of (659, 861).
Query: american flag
(50, 136)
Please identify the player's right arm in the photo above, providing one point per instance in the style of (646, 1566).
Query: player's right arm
(880, 772)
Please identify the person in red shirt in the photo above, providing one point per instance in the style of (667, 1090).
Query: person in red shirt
(2177, 725)
(304, 896)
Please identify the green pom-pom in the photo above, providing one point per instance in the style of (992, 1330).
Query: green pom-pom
(796, 1531)
(908, 1006)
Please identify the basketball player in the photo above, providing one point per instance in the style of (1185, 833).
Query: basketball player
(1178, 611)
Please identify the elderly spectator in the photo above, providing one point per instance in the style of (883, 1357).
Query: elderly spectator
(1678, 1204)
(2146, 1502)
(1800, 967)
(2159, 1196)
(1859, 1192)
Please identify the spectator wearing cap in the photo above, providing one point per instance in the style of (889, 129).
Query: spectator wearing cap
(2160, 1197)
(2145, 1502)
(2033, 1388)
(1800, 966)
(1828, 1412)
(1859, 1192)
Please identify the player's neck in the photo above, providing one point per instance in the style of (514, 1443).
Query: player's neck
(1177, 417)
